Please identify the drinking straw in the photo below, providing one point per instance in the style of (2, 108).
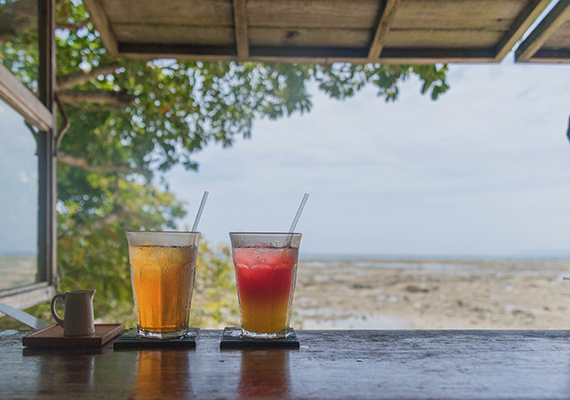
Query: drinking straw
(200, 209)
(299, 211)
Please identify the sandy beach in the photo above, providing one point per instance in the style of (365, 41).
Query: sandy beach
(432, 294)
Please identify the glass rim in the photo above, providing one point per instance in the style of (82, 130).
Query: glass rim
(266, 233)
(193, 232)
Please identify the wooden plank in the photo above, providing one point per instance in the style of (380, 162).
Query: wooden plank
(308, 52)
(526, 18)
(158, 53)
(101, 22)
(53, 336)
(174, 34)
(432, 12)
(387, 60)
(384, 23)
(463, 21)
(389, 56)
(436, 55)
(355, 364)
(23, 317)
(25, 297)
(399, 58)
(559, 14)
(263, 36)
(464, 38)
(346, 14)
(229, 52)
(13, 92)
(552, 56)
(175, 49)
(240, 22)
(175, 12)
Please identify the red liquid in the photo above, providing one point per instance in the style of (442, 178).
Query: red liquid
(265, 281)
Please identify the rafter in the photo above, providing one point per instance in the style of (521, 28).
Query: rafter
(241, 30)
(526, 18)
(386, 17)
(559, 14)
(101, 22)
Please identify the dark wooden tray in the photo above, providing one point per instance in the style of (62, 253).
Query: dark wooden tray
(52, 336)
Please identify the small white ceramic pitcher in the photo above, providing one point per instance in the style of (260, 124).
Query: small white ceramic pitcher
(78, 305)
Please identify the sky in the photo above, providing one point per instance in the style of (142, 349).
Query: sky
(482, 171)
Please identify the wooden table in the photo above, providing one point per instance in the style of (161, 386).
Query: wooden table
(330, 364)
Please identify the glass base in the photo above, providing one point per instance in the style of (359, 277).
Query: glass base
(162, 335)
(278, 335)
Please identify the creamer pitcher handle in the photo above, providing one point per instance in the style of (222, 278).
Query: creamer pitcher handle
(53, 312)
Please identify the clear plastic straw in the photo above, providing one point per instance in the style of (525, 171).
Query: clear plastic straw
(200, 209)
(299, 211)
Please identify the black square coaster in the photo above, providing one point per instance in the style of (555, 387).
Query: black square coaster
(232, 338)
(130, 340)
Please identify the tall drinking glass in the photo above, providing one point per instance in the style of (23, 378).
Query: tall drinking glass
(163, 266)
(266, 269)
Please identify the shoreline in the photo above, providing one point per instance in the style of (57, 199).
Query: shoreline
(432, 294)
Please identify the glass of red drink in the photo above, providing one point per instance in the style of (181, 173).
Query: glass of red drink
(266, 268)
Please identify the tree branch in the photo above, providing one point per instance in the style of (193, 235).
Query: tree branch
(99, 108)
(84, 164)
(17, 16)
(70, 27)
(79, 77)
(76, 97)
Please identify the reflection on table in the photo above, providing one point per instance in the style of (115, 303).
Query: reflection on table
(162, 374)
(264, 374)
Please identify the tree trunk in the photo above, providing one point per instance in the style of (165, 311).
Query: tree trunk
(79, 77)
(76, 97)
(84, 164)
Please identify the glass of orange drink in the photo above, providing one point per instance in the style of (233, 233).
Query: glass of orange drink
(266, 269)
(163, 267)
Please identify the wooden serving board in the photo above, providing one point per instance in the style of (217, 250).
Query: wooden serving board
(52, 336)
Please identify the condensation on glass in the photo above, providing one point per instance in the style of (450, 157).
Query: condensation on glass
(18, 200)
(19, 40)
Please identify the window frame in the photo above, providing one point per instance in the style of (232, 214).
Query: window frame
(39, 111)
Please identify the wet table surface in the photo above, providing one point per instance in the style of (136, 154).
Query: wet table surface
(394, 364)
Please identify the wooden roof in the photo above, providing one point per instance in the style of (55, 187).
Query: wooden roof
(549, 42)
(324, 31)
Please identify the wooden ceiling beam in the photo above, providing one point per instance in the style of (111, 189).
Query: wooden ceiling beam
(102, 24)
(559, 14)
(551, 56)
(241, 31)
(382, 29)
(525, 19)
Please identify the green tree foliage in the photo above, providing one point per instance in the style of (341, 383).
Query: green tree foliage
(132, 120)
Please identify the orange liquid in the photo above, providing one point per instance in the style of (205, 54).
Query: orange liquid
(265, 282)
(163, 280)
